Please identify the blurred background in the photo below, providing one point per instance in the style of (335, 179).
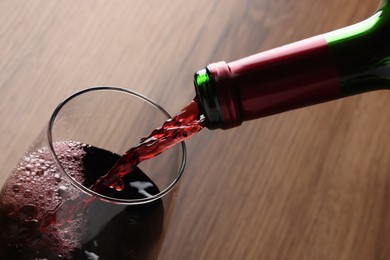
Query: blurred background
(312, 183)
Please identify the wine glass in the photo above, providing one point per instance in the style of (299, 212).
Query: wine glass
(47, 210)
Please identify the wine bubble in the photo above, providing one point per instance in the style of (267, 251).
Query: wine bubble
(57, 177)
(16, 188)
(28, 212)
(27, 194)
(40, 172)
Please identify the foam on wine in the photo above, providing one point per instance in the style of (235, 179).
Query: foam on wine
(35, 188)
(43, 216)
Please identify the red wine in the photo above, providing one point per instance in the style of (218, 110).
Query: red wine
(42, 216)
(181, 127)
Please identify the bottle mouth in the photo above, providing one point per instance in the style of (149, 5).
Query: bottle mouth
(207, 96)
(87, 190)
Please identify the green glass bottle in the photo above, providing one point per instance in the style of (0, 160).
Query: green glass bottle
(334, 65)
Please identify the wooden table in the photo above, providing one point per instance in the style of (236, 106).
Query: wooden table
(312, 183)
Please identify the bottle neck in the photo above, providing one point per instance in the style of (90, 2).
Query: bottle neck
(341, 63)
(207, 97)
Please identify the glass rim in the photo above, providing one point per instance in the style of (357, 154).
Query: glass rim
(90, 192)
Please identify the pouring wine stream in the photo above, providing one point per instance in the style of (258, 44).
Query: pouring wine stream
(181, 127)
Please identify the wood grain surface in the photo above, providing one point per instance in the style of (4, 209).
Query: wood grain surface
(313, 183)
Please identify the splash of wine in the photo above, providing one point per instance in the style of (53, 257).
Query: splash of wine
(175, 130)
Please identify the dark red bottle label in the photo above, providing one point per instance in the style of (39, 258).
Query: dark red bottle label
(292, 76)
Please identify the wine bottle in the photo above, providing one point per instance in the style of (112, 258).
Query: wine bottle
(341, 63)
